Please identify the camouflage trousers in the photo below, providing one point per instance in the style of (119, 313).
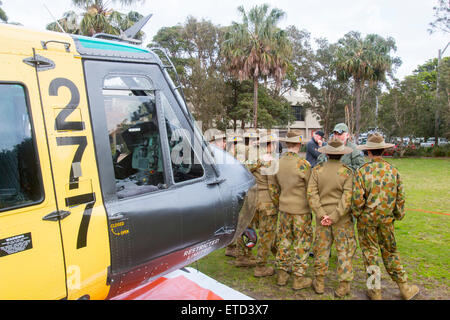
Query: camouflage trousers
(343, 236)
(382, 236)
(267, 225)
(294, 230)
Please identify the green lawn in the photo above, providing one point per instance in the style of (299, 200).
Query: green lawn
(423, 240)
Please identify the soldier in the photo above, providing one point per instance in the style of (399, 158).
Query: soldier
(237, 249)
(379, 200)
(266, 212)
(294, 225)
(355, 159)
(219, 140)
(329, 196)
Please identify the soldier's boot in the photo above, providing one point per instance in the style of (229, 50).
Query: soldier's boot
(408, 291)
(343, 289)
(245, 261)
(301, 283)
(231, 252)
(283, 277)
(263, 271)
(374, 294)
(274, 250)
(319, 285)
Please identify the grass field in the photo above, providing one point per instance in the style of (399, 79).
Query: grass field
(423, 239)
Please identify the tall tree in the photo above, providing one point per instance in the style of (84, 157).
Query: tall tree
(194, 48)
(364, 60)
(256, 48)
(327, 96)
(3, 16)
(69, 23)
(97, 17)
(442, 17)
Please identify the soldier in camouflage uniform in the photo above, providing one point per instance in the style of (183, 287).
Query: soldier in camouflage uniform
(237, 249)
(266, 212)
(379, 200)
(329, 196)
(295, 231)
(354, 159)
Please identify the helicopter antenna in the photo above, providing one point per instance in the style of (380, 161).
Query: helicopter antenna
(62, 30)
(135, 28)
(128, 34)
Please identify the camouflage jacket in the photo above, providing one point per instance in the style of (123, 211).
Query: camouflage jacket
(353, 160)
(378, 194)
(261, 171)
(330, 191)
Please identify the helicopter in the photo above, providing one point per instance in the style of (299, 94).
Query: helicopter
(106, 182)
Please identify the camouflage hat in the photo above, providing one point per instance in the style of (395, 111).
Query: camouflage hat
(375, 141)
(340, 127)
(335, 146)
(293, 137)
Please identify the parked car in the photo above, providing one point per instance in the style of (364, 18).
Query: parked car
(431, 142)
(418, 140)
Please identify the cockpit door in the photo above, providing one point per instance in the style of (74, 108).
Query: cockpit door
(84, 225)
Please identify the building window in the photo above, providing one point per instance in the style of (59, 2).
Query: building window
(299, 113)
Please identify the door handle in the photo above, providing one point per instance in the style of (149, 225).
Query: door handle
(56, 215)
(217, 181)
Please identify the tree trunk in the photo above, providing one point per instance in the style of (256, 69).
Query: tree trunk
(255, 102)
(357, 108)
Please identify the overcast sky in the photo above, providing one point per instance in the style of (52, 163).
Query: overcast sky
(404, 20)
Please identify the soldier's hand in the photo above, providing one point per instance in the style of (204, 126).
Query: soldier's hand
(326, 221)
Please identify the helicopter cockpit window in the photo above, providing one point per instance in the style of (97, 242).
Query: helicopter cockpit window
(185, 163)
(130, 107)
(19, 182)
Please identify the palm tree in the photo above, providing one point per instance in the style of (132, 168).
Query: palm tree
(69, 23)
(97, 18)
(3, 16)
(364, 60)
(256, 48)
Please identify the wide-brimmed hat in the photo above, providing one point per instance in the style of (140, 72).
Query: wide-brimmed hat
(335, 146)
(251, 133)
(234, 138)
(293, 137)
(272, 137)
(218, 136)
(375, 141)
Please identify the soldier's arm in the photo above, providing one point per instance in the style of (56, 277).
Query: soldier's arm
(358, 200)
(399, 209)
(313, 196)
(344, 205)
(274, 189)
(306, 175)
(253, 166)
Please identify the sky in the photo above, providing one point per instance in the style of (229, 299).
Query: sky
(406, 21)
